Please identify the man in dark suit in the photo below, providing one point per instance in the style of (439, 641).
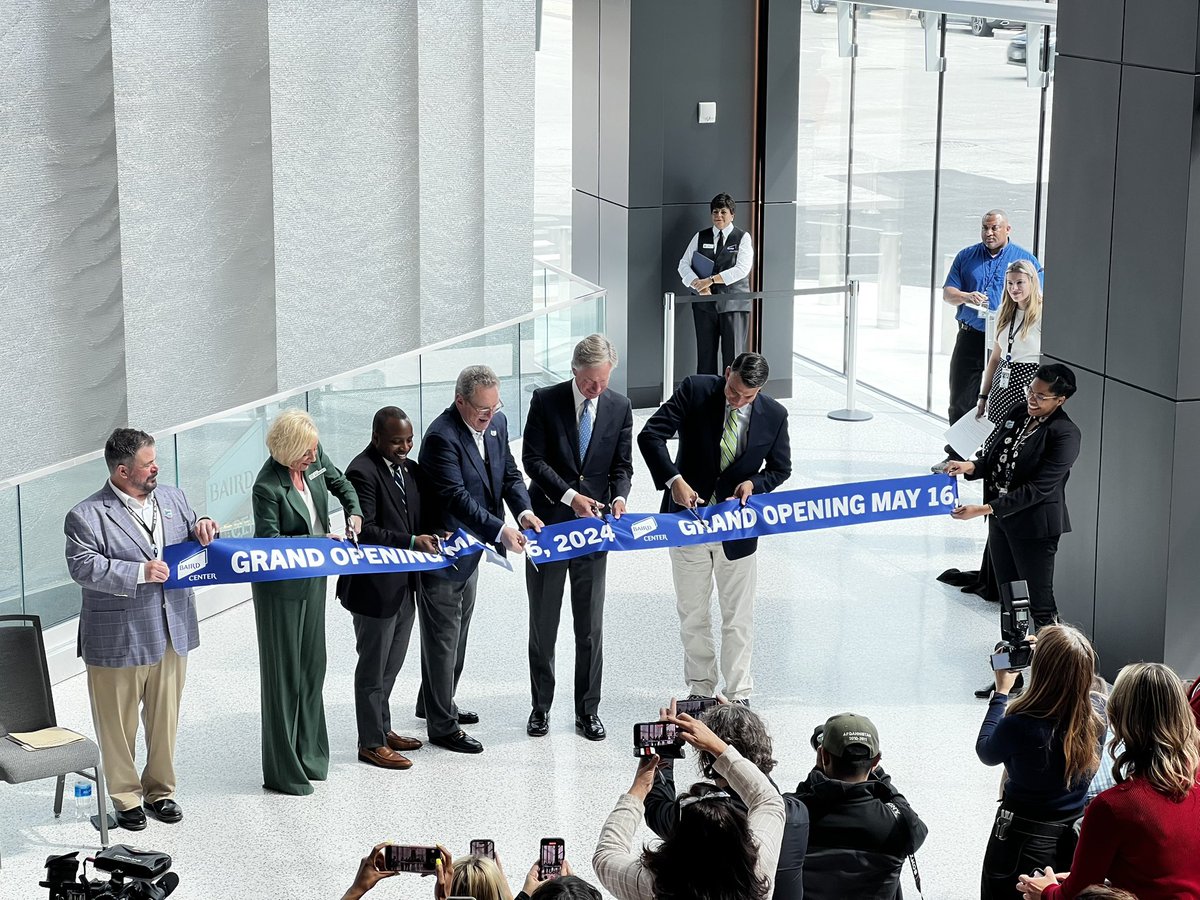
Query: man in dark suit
(390, 488)
(733, 442)
(578, 453)
(466, 456)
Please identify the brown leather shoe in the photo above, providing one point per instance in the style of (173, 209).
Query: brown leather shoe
(402, 744)
(384, 757)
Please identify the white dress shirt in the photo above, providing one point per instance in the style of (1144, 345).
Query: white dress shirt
(478, 436)
(569, 496)
(143, 514)
(740, 268)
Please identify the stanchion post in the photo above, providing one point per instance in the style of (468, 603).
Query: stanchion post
(668, 374)
(850, 414)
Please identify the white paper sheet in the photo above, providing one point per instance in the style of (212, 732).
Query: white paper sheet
(968, 434)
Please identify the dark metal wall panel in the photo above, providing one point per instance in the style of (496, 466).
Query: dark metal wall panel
(1182, 629)
(1189, 319)
(776, 259)
(585, 96)
(585, 236)
(1150, 212)
(1091, 28)
(651, 82)
(1162, 34)
(629, 268)
(613, 137)
(783, 101)
(1075, 565)
(1136, 488)
(1079, 230)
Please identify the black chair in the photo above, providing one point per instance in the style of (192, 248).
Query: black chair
(27, 704)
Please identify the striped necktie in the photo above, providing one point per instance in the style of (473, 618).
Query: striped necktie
(729, 441)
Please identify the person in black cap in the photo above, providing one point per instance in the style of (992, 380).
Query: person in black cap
(860, 827)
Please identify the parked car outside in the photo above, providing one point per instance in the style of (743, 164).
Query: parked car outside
(1018, 50)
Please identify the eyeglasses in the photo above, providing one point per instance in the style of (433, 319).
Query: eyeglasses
(483, 410)
(1040, 398)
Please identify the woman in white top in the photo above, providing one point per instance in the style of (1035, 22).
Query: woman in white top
(1018, 348)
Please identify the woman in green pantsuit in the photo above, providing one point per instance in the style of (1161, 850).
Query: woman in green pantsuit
(291, 499)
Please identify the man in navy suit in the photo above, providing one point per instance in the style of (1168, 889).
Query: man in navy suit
(578, 453)
(733, 442)
(466, 456)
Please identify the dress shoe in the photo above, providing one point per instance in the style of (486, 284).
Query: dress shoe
(539, 724)
(402, 744)
(384, 757)
(590, 727)
(131, 819)
(1017, 689)
(166, 810)
(459, 742)
(985, 692)
(464, 717)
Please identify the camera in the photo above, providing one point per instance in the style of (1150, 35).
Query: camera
(1015, 651)
(133, 875)
(661, 738)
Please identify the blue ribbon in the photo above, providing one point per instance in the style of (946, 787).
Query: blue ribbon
(233, 560)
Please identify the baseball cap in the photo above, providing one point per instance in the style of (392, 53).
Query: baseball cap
(847, 736)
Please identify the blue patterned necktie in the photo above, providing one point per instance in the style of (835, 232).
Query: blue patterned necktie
(585, 428)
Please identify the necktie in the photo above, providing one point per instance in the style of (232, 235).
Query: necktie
(585, 428)
(720, 244)
(729, 439)
(398, 477)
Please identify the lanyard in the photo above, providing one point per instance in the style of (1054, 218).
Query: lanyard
(151, 528)
(1012, 327)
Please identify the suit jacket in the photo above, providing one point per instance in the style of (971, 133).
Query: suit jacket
(279, 511)
(550, 451)
(696, 412)
(472, 495)
(389, 520)
(1035, 505)
(123, 623)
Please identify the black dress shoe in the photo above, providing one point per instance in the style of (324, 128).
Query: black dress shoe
(590, 727)
(539, 724)
(459, 742)
(131, 819)
(464, 717)
(165, 810)
(985, 692)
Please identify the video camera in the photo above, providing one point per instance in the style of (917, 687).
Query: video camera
(133, 875)
(1015, 651)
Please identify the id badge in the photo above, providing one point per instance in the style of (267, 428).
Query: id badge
(1003, 376)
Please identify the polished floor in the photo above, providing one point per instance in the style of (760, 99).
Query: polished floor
(848, 619)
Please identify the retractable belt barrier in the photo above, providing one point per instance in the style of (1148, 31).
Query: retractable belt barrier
(833, 506)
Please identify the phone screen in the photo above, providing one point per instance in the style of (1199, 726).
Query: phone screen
(550, 860)
(483, 848)
(694, 707)
(411, 858)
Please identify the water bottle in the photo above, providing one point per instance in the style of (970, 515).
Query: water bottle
(83, 800)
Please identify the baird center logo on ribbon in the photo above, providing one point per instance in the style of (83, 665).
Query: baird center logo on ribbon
(192, 564)
(643, 527)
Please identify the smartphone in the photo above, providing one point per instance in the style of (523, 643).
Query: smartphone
(660, 738)
(411, 858)
(550, 859)
(483, 847)
(694, 707)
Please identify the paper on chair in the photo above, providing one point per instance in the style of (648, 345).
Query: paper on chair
(968, 434)
(45, 738)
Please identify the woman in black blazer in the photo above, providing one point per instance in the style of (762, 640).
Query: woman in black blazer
(1025, 471)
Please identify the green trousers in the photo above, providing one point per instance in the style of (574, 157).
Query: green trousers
(290, 618)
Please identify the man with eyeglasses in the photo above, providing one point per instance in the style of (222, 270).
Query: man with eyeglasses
(975, 285)
(466, 456)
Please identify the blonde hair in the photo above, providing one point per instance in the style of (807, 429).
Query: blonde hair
(290, 436)
(1008, 306)
(1148, 711)
(1060, 688)
(478, 877)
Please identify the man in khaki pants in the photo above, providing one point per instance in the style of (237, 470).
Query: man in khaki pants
(733, 442)
(134, 636)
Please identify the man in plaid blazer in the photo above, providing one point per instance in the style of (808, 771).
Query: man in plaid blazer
(134, 636)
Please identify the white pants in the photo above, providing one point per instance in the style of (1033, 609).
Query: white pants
(694, 569)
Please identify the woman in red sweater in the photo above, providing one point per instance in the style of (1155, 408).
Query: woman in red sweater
(1144, 834)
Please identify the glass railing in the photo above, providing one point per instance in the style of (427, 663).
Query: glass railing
(215, 461)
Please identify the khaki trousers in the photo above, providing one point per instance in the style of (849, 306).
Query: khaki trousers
(116, 694)
(694, 569)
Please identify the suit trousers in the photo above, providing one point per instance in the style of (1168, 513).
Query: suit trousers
(694, 569)
(966, 376)
(291, 660)
(382, 646)
(712, 328)
(545, 587)
(445, 609)
(116, 694)
(1025, 559)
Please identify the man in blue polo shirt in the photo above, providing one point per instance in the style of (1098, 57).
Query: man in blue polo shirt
(976, 282)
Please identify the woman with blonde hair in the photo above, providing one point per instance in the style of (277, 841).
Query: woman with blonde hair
(1143, 835)
(1048, 741)
(291, 499)
(1018, 348)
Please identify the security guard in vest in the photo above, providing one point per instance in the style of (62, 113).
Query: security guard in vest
(716, 263)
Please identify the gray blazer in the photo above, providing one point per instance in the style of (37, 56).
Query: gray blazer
(124, 623)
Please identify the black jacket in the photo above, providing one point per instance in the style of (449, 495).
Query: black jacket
(856, 843)
(696, 413)
(662, 812)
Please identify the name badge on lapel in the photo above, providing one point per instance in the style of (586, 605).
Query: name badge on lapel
(319, 472)
(168, 512)
(706, 246)
(492, 432)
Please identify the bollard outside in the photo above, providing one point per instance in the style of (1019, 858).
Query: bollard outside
(668, 374)
(850, 414)
(887, 309)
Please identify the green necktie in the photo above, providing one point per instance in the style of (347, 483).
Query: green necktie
(729, 440)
